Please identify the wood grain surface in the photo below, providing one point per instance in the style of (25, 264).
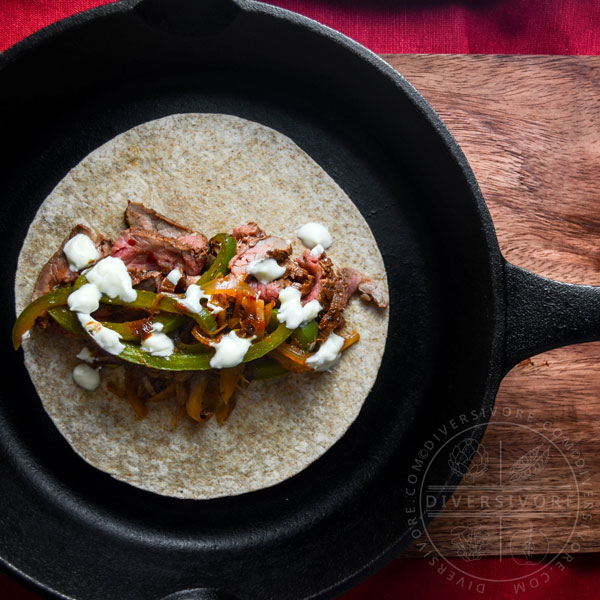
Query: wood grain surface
(530, 128)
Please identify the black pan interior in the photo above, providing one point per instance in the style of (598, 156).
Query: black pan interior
(74, 529)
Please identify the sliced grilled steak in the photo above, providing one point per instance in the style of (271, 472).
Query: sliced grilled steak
(146, 280)
(270, 247)
(352, 278)
(246, 233)
(370, 291)
(337, 287)
(315, 266)
(138, 216)
(56, 271)
(268, 291)
(145, 250)
(333, 299)
(297, 275)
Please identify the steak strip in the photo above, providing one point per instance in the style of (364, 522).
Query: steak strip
(337, 287)
(269, 247)
(139, 216)
(154, 245)
(145, 250)
(57, 271)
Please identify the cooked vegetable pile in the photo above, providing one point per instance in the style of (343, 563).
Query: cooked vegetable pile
(193, 319)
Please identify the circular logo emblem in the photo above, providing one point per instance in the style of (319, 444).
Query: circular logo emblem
(509, 487)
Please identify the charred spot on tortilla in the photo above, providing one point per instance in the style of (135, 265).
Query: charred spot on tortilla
(197, 326)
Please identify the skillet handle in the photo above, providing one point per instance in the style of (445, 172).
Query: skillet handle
(200, 594)
(190, 18)
(542, 314)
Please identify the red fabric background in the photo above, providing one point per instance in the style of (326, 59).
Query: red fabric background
(468, 26)
(414, 26)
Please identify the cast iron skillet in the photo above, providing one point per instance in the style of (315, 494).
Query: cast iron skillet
(460, 315)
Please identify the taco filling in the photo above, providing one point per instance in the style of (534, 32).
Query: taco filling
(194, 319)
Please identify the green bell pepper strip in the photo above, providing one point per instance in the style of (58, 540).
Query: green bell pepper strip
(160, 302)
(197, 348)
(306, 335)
(220, 266)
(26, 320)
(273, 322)
(182, 361)
(129, 330)
(264, 368)
(179, 361)
(145, 300)
(268, 343)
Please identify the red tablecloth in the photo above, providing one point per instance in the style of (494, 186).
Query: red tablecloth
(411, 26)
(415, 26)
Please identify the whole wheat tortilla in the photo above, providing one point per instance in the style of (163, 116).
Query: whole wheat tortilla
(211, 173)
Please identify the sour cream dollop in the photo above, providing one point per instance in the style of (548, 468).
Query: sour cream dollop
(157, 343)
(230, 351)
(86, 356)
(85, 300)
(312, 234)
(80, 252)
(317, 250)
(174, 276)
(110, 276)
(328, 355)
(86, 377)
(291, 312)
(106, 338)
(193, 295)
(265, 270)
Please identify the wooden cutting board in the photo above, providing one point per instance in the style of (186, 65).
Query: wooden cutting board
(530, 128)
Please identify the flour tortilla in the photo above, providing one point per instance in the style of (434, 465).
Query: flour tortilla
(211, 173)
